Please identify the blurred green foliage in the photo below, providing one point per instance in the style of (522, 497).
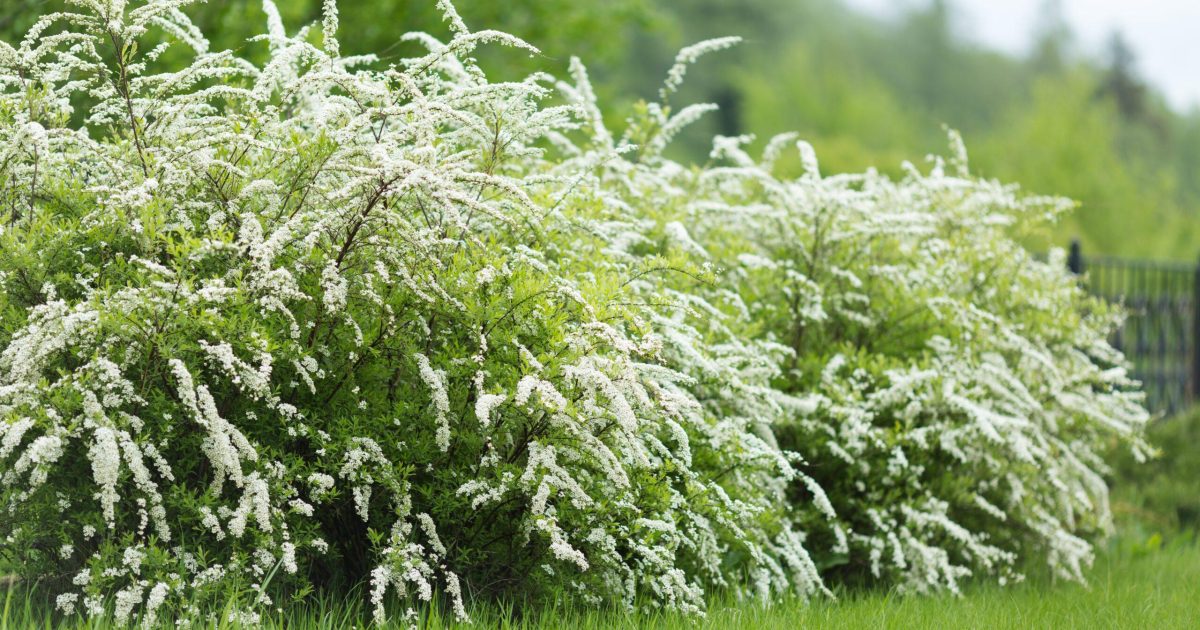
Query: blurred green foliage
(865, 92)
(1161, 496)
(558, 27)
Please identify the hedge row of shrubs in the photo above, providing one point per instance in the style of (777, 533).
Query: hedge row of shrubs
(332, 322)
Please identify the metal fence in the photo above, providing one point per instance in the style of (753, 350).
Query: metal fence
(1159, 336)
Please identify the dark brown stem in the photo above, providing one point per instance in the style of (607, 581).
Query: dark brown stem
(123, 89)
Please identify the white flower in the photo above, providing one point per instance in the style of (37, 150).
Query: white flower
(66, 603)
(435, 380)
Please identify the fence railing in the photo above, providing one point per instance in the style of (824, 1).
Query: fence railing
(1159, 335)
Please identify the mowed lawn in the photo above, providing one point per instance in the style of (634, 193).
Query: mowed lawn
(1143, 589)
(1153, 590)
(1159, 589)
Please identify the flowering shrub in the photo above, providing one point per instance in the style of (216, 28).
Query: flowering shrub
(956, 393)
(327, 323)
(265, 327)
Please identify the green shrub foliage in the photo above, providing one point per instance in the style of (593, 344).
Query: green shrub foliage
(327, 322)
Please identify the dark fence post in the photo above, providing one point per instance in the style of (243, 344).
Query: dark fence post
(1075, 257)
(1195, 393)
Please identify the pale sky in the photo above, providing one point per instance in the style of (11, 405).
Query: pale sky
(1165, 34)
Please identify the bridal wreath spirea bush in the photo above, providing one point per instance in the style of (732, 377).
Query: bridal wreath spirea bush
(956, 395)
(329, 322)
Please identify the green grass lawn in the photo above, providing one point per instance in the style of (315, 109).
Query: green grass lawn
(1159, 589)
(1132, 586)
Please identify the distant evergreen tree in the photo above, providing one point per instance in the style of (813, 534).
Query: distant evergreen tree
(1052, 39)
(1121, 81)
(931, 31)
